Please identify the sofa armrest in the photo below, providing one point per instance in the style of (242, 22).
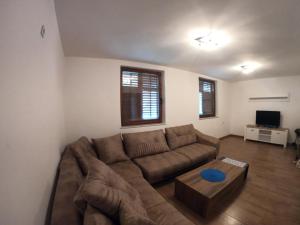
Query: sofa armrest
(208, 140)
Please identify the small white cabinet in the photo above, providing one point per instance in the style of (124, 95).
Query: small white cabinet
(269, 135)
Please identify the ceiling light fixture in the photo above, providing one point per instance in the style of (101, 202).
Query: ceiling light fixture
(209, 39)
(248, 67)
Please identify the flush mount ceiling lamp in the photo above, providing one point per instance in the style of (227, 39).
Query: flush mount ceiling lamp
(248, 67)
(207, 42)
(209, 39)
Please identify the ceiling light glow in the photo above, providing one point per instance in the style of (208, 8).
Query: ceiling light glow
(209, 39)
(248, 67)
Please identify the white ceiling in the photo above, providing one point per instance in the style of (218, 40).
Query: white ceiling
(156, 31)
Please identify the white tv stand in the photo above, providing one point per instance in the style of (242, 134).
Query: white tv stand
(264, 134)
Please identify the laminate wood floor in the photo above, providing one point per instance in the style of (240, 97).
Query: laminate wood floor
(270, 196)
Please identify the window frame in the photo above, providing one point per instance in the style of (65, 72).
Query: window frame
(159, 73)
(201, 79)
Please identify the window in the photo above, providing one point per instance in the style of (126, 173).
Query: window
(207, 98)
(141, 97)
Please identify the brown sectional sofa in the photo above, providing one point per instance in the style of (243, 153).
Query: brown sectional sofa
(138, 169)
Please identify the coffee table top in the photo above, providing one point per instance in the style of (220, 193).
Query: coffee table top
(193, 180)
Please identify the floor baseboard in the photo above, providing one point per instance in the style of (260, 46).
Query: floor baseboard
(231, 135)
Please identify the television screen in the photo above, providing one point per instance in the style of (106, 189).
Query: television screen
(268, 118)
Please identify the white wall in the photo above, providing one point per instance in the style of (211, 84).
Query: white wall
(31, 114)
(92, 99)
(243, 110)
(32, 131)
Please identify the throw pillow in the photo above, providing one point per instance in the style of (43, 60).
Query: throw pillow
(181, 136)
(145, 143)
(82, 151)
(110, 149)
(112, 195)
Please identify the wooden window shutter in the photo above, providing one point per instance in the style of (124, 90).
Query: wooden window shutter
(207, 98)
(141, 101)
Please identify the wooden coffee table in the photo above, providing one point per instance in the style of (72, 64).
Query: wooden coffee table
(201, 195)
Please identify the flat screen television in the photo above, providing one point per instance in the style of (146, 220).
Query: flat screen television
(268, 118)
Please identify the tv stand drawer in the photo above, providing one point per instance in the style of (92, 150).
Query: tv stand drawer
(252, 133)
(278, 137)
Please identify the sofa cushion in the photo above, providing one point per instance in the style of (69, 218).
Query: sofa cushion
(161, 166)
(82, 150)
(112, 195)
(110, 149)
(93, 216)
(181, 136)
(69, 179)
(145, 143)
(197, 152)
(166, 214)
(150, 197)
(127, 169)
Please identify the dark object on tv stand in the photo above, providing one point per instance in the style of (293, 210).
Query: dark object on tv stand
(270, 119)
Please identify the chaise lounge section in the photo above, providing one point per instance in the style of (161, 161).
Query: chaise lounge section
(139, 163)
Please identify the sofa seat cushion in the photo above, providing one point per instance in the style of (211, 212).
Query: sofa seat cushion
(197, 152)
(166, 214)
(145, 143)
(110, 149)
(161, 166)
(127, 169)
(150, 197)
(181, 136)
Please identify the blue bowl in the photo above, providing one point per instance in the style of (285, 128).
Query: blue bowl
(212, 175)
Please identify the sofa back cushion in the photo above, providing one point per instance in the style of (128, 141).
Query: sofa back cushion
(145, 143)
(110, 149)
(112, 195)
(181, 136)
(83, 150)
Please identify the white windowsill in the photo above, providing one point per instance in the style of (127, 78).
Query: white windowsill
(209, 118)
(143, 125)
